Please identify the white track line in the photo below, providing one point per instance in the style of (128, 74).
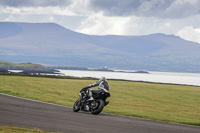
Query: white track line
(34, 100)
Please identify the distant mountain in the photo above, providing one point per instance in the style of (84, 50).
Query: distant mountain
(52, 44)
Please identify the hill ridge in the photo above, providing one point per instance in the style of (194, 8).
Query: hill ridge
(52, 44)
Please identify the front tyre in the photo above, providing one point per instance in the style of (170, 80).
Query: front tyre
(98, 107)
(77, 105)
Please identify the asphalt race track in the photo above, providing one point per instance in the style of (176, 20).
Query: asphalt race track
(49, 117)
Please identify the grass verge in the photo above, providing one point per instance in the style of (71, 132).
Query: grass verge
(8, 129)
(171, 103)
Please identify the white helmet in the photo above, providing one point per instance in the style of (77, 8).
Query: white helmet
(102, 79)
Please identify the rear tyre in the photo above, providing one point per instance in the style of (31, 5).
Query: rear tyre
(98, 108)
(76, 106)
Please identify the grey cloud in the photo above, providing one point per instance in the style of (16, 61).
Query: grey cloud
(116, 7)
(149, 8)
(34, 3)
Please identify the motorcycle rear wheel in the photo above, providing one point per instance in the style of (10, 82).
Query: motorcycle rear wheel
(76, 106)
(98, 108)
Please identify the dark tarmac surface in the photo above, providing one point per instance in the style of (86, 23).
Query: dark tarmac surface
(33, 114)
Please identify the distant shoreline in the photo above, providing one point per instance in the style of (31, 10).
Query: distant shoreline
(97, 69)
(37, 68)
(56, 70)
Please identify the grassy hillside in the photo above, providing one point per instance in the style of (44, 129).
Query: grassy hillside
(171, 103)
(27, 67)
(10, 65)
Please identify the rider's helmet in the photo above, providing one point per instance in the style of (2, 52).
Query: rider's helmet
(102, 79)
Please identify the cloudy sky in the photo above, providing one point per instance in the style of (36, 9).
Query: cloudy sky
(110, 17)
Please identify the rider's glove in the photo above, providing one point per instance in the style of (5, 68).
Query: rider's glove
(85, 88)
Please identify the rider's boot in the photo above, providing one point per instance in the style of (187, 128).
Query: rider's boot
(91, 99)
(90, 95)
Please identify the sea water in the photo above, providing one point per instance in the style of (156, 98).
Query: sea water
(156, 77)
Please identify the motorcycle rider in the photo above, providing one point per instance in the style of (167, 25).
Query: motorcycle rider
(102, 83)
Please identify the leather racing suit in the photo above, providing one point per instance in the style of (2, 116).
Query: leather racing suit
(102, 84)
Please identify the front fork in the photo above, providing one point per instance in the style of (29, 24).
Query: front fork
(106, 103)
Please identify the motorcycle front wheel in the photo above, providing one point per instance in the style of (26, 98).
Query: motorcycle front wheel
(76, 106)
(98, 107)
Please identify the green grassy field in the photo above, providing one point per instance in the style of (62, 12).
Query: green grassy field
(7, 129)
(171, 103)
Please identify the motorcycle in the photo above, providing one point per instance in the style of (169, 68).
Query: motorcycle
(95, 106)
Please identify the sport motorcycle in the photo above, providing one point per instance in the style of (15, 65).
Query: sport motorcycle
(94, 106)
